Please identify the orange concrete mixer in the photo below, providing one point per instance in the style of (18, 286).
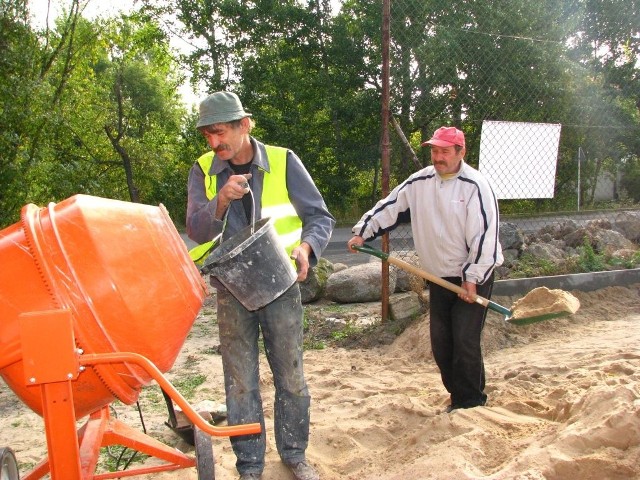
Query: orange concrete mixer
(97, 297)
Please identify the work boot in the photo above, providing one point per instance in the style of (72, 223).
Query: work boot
(250, 476)
(303, 471)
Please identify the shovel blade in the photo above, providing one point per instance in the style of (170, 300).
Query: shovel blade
(536, 319)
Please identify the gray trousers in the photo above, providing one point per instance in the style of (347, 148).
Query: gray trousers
(282, 331)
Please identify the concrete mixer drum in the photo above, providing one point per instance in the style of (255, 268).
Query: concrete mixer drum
(97, 297)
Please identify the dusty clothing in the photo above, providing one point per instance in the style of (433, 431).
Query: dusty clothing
(281, 327)
(454, 222)
(202, 226)
(280, 322)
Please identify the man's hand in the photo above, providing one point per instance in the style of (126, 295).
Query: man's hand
(301, 255)
(470, 295)
(355, 240)
(236, 187)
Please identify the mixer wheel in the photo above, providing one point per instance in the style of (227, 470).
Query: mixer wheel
(204, 455)
(9, 465)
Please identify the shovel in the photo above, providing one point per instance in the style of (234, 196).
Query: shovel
(508, 314)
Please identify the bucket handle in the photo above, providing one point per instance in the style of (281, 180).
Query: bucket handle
(207, 268)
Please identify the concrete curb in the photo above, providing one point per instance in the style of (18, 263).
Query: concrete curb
(585, 282)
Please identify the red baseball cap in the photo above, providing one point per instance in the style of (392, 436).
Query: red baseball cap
(446, 137)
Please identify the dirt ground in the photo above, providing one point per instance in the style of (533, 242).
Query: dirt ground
(564, 399)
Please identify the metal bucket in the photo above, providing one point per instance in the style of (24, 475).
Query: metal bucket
(253, 265)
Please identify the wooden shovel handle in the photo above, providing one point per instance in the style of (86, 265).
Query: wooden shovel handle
(434, 279)
(496, 307)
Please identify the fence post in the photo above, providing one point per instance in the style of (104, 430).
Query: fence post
(386, 9)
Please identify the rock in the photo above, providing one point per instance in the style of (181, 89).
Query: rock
(624, 254)
(628, 224)
(404, 306)
(339, 266)
(578, 237)
(406, 281)
(313, 287)
(510, 255)
(559, 230)
(608, 241)
(545, 251)
(510, 236)
(360, 283)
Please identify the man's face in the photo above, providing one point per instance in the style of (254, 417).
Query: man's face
(446, 160)
(225, 139)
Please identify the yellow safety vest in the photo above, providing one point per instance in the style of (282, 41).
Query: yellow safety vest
(275, 201)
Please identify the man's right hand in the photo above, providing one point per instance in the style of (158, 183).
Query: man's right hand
(236, 187)
(355, 240)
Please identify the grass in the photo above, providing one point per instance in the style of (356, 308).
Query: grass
(345, 332)
(587, 260)
(116, 458)
(188, 385)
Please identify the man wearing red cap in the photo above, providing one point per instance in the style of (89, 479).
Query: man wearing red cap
(454, 220)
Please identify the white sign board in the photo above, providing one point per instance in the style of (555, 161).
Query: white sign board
(520, 158)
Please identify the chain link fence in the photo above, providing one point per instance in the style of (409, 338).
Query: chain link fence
(531, 85)
(538, 89)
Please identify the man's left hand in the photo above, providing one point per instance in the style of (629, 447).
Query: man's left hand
(301, 255)
(470, 292)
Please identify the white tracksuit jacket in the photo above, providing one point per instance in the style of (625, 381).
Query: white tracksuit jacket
(454, 222)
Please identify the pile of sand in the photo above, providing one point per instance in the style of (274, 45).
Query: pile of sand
(564, 402)
(542, 301)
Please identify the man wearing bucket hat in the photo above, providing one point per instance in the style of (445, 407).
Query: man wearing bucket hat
(454, 220)
(241, 181)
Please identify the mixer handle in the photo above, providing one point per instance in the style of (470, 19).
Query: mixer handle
(152, 370)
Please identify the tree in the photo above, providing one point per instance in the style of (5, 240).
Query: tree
(103, 115)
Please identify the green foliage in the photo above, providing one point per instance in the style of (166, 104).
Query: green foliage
(313, 344)
(116, 458)
(92, 106)
(345, 332)
(632, 261)
(96, 112)
(529, 266)
(188, 384)
(589, 260)
(631, 178)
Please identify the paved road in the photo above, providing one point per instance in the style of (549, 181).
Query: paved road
(336, 251)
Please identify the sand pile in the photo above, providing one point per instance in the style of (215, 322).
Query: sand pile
(542, 301)
(564, 403)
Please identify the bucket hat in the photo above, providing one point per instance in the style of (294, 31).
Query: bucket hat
(220, 107)
(446, 137)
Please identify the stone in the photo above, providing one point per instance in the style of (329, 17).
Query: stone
(313, 287)
(404, 306)
(510, 236)
(360, 283)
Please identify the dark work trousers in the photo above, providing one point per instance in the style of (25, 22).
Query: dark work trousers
(456, 334)
(281, 325)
